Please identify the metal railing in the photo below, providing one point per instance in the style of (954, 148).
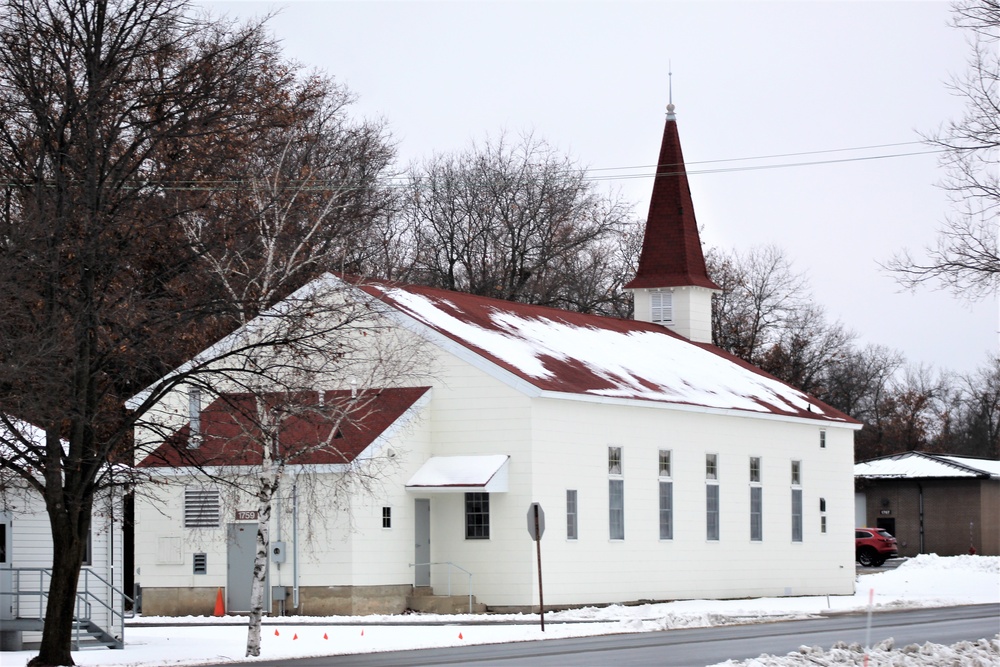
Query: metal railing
(450, 567)
(29, 590)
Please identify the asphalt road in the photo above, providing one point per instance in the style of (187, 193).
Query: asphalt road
(691, 648)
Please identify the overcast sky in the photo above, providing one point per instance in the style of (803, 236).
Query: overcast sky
(750, 79)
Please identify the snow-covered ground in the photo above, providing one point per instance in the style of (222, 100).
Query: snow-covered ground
(925, 581)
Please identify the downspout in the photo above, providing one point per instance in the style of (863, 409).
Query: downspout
(295, 548)
(920, 508)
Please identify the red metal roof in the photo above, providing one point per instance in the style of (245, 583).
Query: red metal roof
(671, 248)
(230, 434)
(593, 355)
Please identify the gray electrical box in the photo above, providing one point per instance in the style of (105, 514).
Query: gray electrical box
(279, 593)
(277, 552)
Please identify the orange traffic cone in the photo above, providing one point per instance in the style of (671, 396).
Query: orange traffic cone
(276, 633)
(460, 636)
(220, 605)
(325, 636)
(295, 636)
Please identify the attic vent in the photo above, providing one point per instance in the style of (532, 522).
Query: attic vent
(201, 508)
(661, 307)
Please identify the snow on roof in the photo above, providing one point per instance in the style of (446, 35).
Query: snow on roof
(919, 464)
(574, 353)
(486, 472)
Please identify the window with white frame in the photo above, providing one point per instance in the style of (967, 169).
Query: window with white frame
(387, 517)
(822, 438)
(796, 501)
(477, 516)
(616, 494)
(666, 510)
(712, 466)
(796, 515)
(822, 515)
(571, 514)
(756, 501)
(712, 497)
(666, 496)
(616, 509)
(202, 508)
(661, 305)
(614, 460)
(664, 467)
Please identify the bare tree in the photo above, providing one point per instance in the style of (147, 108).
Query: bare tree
(966, 257)
(760, 294)
(306, 216)
(808, 349)
(122, 126)
(513, 220)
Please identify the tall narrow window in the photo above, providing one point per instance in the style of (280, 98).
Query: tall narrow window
(571, 519)
(616, 494)
(666, 496)
(661, 307)
(712, 497)
(616, 509)
(201, 508)
(796, 515)
(712, 512)
(822, 515)
(477, 516)
(796, 473)
(822, 438)
(194, 418)
(387, 517)
(756, 501)
(666, 510)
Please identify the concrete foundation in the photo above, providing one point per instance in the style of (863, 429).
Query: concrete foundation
(313, 601)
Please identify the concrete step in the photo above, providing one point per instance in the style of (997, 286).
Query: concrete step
(443, 604)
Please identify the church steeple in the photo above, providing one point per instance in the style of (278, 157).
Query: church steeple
(671, 285)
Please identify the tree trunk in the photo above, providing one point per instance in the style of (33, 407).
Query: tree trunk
(71, 525)
(268, 485)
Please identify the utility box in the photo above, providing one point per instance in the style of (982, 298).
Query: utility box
(277, 552)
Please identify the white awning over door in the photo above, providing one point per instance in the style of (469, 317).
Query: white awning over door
(459, 474)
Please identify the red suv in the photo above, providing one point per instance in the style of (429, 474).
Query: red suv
(872, 546)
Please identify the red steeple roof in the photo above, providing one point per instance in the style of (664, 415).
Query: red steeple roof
(671, 249)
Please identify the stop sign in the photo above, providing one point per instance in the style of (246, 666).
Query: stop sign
(536, 521)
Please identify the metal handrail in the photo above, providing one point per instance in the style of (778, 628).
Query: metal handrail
(451, 565)
(86, 599)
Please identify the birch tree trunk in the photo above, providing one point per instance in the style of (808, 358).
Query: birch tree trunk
(270, 473)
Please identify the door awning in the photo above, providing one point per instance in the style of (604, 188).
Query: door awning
(459, 474)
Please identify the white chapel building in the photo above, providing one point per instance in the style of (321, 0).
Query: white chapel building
(666, 468)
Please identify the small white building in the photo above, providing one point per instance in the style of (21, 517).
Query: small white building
(26, 548)
(665, 467)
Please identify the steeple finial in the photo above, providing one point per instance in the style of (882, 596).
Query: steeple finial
(670, 92)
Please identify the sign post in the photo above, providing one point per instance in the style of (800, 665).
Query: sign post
(536, 526)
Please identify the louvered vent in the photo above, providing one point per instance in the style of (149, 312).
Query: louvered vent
(201, 508)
